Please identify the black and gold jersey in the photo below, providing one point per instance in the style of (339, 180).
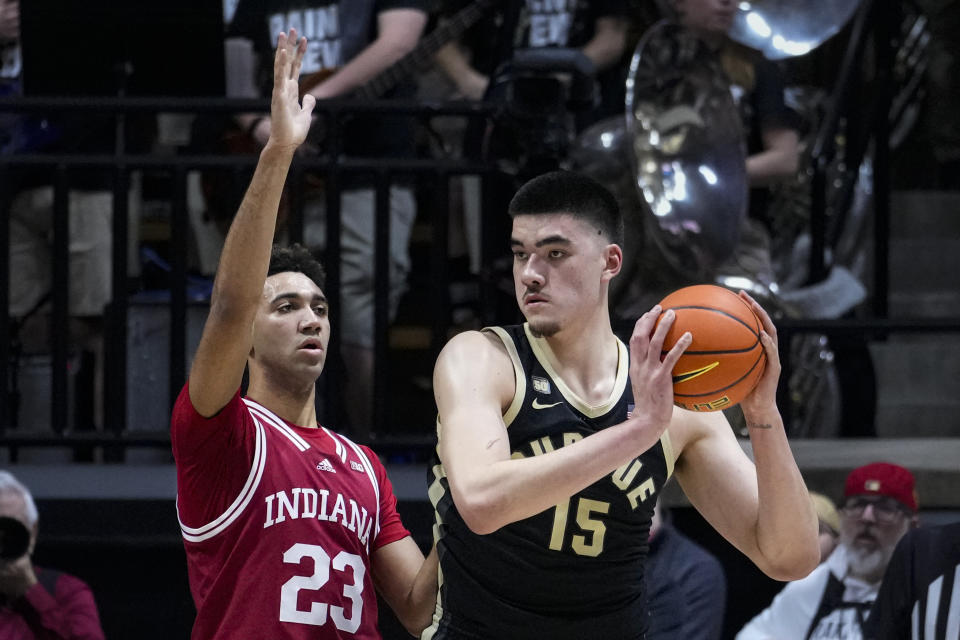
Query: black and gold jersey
(574, 571)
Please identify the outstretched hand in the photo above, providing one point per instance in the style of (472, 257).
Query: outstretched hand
(290, 121)
(651, 377)
(764, 395)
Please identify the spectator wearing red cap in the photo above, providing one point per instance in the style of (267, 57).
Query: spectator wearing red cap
(832, 603)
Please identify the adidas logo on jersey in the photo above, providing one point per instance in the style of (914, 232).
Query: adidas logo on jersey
(356, 466)
(324, 465)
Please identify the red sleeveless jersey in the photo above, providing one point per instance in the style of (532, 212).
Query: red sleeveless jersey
(279, 522)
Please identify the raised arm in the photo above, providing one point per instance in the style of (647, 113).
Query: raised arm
(228, 334)
(474, 382)
(763, 509)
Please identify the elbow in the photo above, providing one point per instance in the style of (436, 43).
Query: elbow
(397, 47)
(795, 564)
(228, 306)
(790, 164)
(481, 512)
(416, 624)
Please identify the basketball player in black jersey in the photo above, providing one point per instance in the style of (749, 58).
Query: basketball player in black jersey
(555, 439)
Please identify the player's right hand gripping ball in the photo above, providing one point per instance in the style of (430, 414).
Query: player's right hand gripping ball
(726, 358)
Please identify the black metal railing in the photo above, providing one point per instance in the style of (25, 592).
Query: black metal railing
(332, 165)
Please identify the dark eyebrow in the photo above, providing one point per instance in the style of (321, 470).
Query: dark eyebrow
(555, 239)
(295, 296)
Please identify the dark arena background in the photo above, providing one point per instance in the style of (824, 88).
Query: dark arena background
(865, 249)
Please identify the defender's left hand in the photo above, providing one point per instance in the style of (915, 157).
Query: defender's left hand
(289, 121)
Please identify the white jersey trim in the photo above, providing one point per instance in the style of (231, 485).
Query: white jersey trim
(519, 376)
(274, 421)
(341, 451)
(207, 531)
(368, 469)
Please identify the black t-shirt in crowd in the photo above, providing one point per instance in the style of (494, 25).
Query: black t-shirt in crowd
(532, 24)
(336, 32)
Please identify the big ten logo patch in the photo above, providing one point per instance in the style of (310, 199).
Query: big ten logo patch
(321, 26)
(550, 22)
(541, 385)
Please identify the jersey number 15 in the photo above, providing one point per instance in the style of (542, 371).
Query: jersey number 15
(590, 543)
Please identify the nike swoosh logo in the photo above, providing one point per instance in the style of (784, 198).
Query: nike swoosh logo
(689, 375)
(536, 404)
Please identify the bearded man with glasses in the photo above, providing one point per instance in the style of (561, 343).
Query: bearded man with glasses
(832, 603)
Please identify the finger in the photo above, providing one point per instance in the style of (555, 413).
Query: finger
(770, 348)
(309, 102)
(660, 333)
(295, 54)
(642, 329)
(280, 60)
(645, 323)
(673, 356)
(298, 58)
(761, 313)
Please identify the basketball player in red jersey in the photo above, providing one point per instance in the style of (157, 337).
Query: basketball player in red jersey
(289, 528)
(555, 439)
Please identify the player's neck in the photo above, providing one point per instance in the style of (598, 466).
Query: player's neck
(293, 404)
(586, 356)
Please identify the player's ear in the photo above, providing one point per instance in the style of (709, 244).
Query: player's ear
(613, 261)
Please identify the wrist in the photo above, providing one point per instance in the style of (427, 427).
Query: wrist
(277, 151)
(644, 428)
(766, 417)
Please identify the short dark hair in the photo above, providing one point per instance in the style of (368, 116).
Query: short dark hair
(573, 193)
(296, 258)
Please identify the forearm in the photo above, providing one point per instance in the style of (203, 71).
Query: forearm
(455, 65)
(490, 495)
(771, 167)
(408, 582)
(453, 61)
(379, 55)
(246, 250)
(779, 159)
(607, 45)
(422, 599)
(786, 527)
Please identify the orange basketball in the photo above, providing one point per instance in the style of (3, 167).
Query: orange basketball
(726, 358)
